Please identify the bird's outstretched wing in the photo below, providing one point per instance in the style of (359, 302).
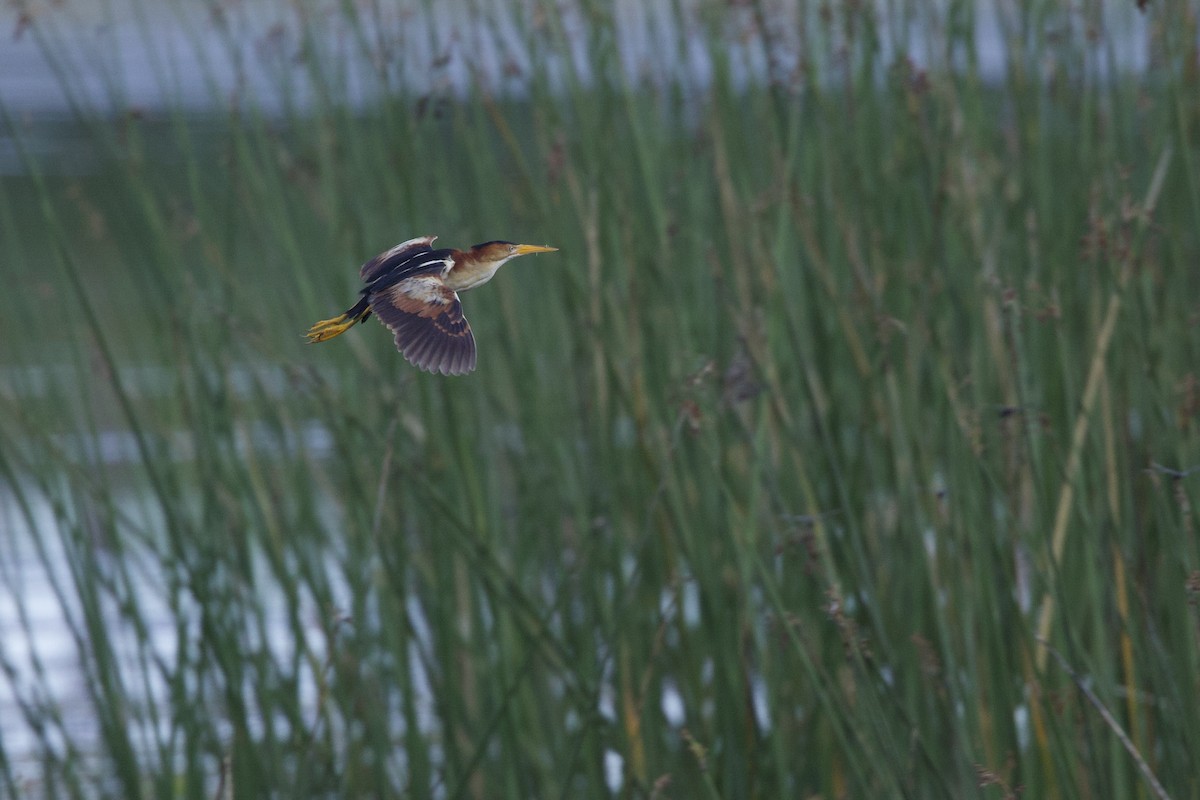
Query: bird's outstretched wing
(389, 260)
(427, 320)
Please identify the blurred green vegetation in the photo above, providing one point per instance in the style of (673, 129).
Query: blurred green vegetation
(844, 393)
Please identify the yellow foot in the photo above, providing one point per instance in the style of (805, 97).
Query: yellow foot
(331, 321)
(329, 328)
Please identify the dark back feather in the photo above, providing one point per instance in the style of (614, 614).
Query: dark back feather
(388, 269)
(389, 259)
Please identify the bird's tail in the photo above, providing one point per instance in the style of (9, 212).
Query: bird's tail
(329, 328)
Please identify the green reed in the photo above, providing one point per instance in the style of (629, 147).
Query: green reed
(847, 396)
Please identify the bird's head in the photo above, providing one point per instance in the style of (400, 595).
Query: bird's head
(500, 251)
(477, 265)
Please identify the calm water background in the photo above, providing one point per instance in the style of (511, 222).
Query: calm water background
(128, 54)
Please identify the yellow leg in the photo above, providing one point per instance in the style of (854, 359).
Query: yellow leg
(328, 328)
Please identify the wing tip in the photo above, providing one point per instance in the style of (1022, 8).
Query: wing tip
(434, 353)
(441, 357)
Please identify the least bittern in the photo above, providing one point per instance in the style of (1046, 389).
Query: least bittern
(413, 289)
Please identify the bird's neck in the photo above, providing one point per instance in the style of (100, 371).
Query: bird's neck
(469, 272)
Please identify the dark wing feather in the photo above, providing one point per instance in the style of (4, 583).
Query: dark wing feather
(389, 259)
(430, 262)
(427, 320)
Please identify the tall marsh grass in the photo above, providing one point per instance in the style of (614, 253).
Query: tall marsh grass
(847, 447)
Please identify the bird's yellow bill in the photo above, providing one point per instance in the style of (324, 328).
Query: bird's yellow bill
(527, 249)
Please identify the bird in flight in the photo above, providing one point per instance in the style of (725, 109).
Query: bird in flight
(413, 289)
